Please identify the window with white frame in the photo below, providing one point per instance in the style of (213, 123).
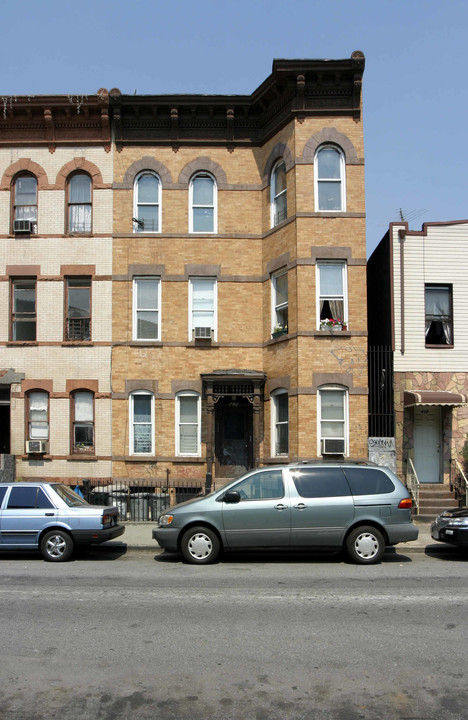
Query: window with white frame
(203, 308)
(83, 421)
(25, 201)
(147, 203)
(78, 308)
(278, 194)
(141, 423)
(188, 423)
(333, 420)
(203, 204)
(332, 301)
(38, 415)
(79, 203)
(330, 186)
(279, 302)
(280, 422)
(439, 315)
(146, 308)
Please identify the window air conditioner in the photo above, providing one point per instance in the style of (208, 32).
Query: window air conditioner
(333, 446)
(23, 226)
(36, 447)
(202, 333)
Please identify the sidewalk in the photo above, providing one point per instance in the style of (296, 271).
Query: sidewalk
(138, 536)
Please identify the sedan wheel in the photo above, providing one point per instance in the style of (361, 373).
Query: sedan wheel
(200, 546)
(365, 545)
(56, 546)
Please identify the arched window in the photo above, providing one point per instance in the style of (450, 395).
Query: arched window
(188, 423)
(280, 422)
(25, 204)
(330, 191)
(203, 204)
(79, 203)
(333, 420)
(147, 203)
(278, 194)
(82, 421)
(38, 415)
(141, 423)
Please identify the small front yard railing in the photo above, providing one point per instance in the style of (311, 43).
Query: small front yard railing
(458, 482)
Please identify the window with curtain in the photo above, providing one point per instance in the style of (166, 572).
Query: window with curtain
(25, 199)
(333, 418)
(330, 192)
(278, 194)
(146, 304)
(202, 298)
(203, 204)
(79, 203)
(141, 423)
(38, 411)
(280, 422)
(147, 203)
(83, 421)
(188, 424)
(23, 304)
(439, 316)
(78, 308)
(279, 301)
(332, 302)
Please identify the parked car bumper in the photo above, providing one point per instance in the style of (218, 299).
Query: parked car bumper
(449, 534)
(87, 537)
(167, 538)
(401, 533)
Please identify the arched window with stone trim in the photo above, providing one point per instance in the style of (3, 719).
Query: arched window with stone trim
(203, 211)
(278, 194)
(79, 202)
(330, 185)
(147, 202)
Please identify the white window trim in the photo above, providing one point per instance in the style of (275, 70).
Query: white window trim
(274, 304)
(131, 423)
(135, 308)
(136, 203)
(204, 173)
(215, 308)
(344, 275)
(274, 395)
(345, 392)
(187, 393)
(342, 179)
(274, 194)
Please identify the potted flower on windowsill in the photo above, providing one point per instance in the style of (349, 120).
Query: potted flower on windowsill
(279, 330)
(333, 324)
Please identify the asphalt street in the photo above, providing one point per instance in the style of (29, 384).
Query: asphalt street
(119, 634)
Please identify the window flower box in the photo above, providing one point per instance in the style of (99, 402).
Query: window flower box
(279, 330)
(333, 325)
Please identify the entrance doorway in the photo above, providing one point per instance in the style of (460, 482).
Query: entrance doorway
(4, 421)
(427, 443)
(233, 437)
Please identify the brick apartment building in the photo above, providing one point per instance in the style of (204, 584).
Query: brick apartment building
(55, 288)
(239, 332)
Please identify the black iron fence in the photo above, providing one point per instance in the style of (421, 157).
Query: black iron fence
(137, 500)
(381, 410)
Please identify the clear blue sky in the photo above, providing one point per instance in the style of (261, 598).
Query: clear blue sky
(415, 82)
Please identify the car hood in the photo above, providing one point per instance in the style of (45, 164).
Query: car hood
(457, 512)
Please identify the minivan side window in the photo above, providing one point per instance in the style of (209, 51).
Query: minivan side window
(368, 481)
(28, 497)
(320, 482)
(2, 494)
(261, 486)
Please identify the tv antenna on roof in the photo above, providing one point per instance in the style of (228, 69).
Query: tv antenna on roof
(411, 215)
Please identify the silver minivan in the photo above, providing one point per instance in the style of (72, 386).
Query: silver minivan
(356, 506)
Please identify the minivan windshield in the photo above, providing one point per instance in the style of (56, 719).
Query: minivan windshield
(68, 496)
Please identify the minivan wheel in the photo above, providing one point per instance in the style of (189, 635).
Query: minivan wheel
(365, 545)
(56, 546)
(200, 546)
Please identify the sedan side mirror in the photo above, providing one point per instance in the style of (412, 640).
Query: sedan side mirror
(231, 496)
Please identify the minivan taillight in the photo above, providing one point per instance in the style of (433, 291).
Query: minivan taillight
(405, 504)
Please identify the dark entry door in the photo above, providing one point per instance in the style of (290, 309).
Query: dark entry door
(233, 438)
(4, 420)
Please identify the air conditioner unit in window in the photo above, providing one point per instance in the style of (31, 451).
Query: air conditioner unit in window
(23, 226)
(202, 333)
(333, 446)
(36, 447)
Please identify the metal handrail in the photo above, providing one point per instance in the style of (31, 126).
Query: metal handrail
(412, 483)
(458, 481)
